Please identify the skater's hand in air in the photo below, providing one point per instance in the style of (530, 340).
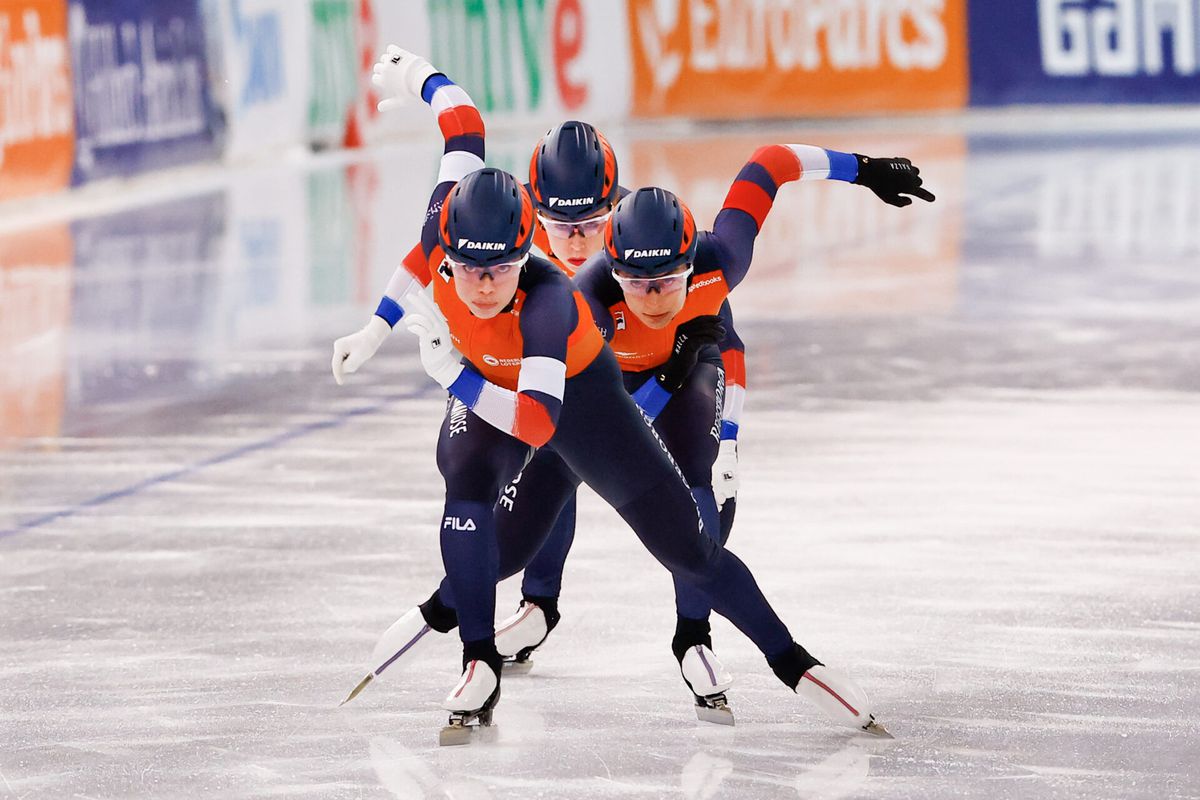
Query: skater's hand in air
(351, 352)
(891, 179)
(400, 75)
(690, 338)
(725, 480)
(441, 360)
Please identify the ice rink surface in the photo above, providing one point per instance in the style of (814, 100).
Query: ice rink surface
(970, 457)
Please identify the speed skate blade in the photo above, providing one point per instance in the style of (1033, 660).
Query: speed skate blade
(361, 685)
(875, 729)
(518, 667)
(717, 716)
(453, 735)
(456, 734)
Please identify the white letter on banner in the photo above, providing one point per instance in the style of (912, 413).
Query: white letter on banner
(897, 49)
(873, 23)
(1114, 36)
(1176, 16)
(1064, 38)
(705, 49)
(783, 35)
(929, 51)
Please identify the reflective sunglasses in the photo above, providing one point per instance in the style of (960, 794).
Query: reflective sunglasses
(664, 283)
(563, 230)
(468, 272)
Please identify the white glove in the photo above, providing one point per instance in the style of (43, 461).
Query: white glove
(351, 352)
(725, 480)
(438, 355)
(400, 75)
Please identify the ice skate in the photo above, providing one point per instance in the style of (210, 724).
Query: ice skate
(708, 679)
(842, 700)
(837, 695)
(470, 704)
(522, 633)
(402, 637)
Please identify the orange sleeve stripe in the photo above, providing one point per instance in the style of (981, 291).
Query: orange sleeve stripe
(751, 198)
(735, 366)
(533, 424)
(779, 161)
(460, 121)
(418, 265)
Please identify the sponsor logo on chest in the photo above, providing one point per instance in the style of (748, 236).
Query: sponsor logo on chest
(705, 282)
(492, 361)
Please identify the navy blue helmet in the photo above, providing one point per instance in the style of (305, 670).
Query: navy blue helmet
(651, 233)
(573, 172)
(487, 219)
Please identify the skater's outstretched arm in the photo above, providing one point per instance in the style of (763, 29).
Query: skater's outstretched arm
(730, 244)
(400, 74)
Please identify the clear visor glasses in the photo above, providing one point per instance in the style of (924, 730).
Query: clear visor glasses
(561, 229)
(467, 272)
(663, 283)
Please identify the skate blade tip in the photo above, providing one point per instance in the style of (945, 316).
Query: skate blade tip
(517, 667)
(875, 729)
(358, 689)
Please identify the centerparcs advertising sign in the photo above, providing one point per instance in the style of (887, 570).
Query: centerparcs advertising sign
(786, 58)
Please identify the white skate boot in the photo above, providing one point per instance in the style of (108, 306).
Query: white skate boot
(842, 700)
(397, 641)
(522, 633)
(708, 679)
(470, 703)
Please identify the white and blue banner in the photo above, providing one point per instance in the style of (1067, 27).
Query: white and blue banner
(265, 53)
(1084, 51)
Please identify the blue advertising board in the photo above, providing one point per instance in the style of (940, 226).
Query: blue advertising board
(141, 80)
(1084, 51)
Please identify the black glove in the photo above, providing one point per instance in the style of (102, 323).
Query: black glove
(890, 179)
(690, 338)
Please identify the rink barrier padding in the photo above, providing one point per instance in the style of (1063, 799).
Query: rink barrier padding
(156, 83)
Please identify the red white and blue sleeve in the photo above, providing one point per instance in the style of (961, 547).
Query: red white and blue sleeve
(730, 244)
(531, 412)
(733, 356)
(463, 132)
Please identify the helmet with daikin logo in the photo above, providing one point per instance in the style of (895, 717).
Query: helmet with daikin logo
(573, 173)
(487, 219)
(651, 233)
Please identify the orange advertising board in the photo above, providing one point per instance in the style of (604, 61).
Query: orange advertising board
(35, 317)
(827, 249)
(731, 59)
(37, 115)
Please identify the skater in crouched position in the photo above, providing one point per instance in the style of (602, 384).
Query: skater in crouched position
(659, 330)
(534, 372)
(573, 184)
